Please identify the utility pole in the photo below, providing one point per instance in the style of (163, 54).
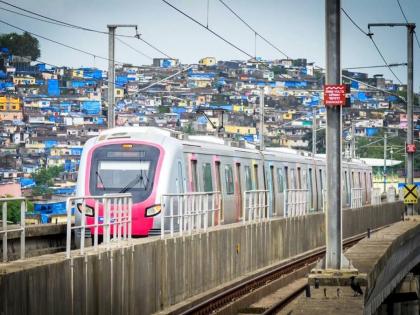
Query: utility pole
(385, 148)
(111, 70)
(333, 76)
(410, 155)
(314, 131)
(262, 119)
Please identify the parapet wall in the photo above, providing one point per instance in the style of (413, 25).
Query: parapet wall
(152, 274)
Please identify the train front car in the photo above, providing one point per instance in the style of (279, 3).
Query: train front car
(125, 160)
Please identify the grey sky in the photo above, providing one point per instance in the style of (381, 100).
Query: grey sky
(296, 27)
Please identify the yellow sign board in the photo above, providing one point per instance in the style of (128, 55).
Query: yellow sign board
(410, 194)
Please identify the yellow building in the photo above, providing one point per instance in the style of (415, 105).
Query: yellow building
(77, 73)
(287, 116)
(241, 130)
(238, 108)
(119, 92)
(10, 103)
(25, 80)
(207, 61)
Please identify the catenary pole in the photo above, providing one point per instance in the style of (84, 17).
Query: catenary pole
(410, 155)
(111, 75)
(333, 76)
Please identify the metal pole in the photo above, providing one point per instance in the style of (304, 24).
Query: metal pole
(111, 75)
(333, 76)
(314, 131)
(353, 141)
(410, 156)
(262, 119)
(385, 148)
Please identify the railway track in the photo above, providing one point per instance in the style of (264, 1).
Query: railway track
(222, 299)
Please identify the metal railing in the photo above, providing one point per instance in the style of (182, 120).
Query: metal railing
(19, 227)
(109, 216)
(189, 212)
(375, 197)
(356, 197)
(391, 194)
(296, 202)
(255, 205)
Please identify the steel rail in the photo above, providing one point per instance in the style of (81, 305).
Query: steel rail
(222, 299)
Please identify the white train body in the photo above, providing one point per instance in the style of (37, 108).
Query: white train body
(156, 163)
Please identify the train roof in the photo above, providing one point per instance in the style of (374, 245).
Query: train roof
(208, 142)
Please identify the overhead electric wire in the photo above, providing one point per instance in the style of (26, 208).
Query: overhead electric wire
(134, 49)
(208, 29)
(254, 30)
(378, 66)
(406, 20)
(59, 43)
(50, 20)
(373, 42)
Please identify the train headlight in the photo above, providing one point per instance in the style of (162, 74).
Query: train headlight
(153, 210)
(88, 210)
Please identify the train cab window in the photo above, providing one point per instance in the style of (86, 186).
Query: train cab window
(280, 179)
(194, 176)
(207, 180)
(248, 178)
(229, 180)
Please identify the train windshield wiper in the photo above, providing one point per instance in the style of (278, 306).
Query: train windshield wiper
(133, 183)
(100, 179)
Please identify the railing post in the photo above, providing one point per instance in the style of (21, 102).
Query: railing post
(162, 217)
(4, 224)
(171, 210)
(22, 225)
(68, 234)
(95, 223)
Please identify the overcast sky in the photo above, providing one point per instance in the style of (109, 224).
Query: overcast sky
(294, 26)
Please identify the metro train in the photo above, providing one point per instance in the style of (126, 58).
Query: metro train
(149, 162)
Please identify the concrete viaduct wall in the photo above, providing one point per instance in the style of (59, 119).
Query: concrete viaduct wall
(152, 274)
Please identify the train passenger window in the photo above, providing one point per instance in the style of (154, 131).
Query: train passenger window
(248, 177)
(180, 180)
(286, 177)
(194, 176)
(256, 184)
(229, 180)
(346, 187)
(280, 179)
(310, 189)
(299, 177)
(292, 179)
(207, 180)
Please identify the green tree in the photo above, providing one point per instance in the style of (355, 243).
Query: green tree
(21, 45)
(13, 209)
(45, 176)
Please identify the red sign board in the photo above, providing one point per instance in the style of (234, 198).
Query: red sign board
(410, 148)
(335, 95)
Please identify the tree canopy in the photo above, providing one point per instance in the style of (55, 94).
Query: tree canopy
(21, 44)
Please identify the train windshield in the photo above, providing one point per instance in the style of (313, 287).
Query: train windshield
(128, 168)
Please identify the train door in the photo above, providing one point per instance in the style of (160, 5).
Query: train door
(272, 192)
(229, 198)
(218, 181)
(238, 191)
(280, 191)
(311, 192)
(366, 188)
